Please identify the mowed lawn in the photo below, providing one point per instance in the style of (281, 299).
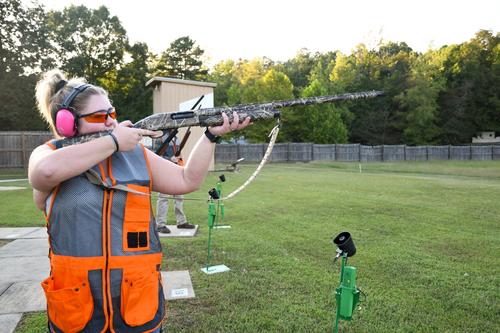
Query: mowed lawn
(427, 237)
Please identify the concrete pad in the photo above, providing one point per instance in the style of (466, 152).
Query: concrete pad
(24, 269)
(22, 297)
(222, 226)
(215, 269)
(25, 248)
(14, 233)
(11, 188)
(177, 285)
(4, 286)
(8, 322)
(176, 232)
(39, 233)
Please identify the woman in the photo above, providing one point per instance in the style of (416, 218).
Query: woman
(105, 253)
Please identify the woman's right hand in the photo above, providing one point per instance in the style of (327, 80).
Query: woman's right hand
(128, 137)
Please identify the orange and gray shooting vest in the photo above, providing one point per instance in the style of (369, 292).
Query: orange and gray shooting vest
(105, 253)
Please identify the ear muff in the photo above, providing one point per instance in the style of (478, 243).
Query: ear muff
(66, 123)
(65, 118)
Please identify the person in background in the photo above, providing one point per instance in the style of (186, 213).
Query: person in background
(105, 253)
(171, 152)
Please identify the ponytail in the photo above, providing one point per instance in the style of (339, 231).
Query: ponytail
(53, 88)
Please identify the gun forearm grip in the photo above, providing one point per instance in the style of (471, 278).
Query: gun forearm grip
(260, 114)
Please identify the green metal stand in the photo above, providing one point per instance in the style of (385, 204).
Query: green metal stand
(211, 219)
(346, 295)
(219, 213)
(220, 210)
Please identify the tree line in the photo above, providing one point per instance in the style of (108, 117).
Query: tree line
(442, 96)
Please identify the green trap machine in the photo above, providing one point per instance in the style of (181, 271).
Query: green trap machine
(347, 294)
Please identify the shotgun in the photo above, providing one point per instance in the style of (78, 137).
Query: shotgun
(213, 116)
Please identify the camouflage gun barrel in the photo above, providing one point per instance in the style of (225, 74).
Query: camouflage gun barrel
(256, 111)
(213, 116)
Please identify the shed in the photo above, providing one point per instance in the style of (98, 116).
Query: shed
(172, 94)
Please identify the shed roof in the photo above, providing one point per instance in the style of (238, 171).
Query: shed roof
(158, 79)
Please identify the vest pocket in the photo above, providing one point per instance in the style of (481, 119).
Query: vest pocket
(69, 308)
(139, 297)
(136, 220)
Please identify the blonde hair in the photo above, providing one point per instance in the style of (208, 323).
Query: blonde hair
(49, 99)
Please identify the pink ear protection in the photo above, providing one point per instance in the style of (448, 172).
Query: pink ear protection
(65, 118)
(65, 123)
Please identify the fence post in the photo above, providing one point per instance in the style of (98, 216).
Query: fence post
(23, 147)
(312, 152)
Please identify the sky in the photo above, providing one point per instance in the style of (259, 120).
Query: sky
(278, 29)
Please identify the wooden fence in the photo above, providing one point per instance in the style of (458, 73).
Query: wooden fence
(16, 147)
(305, 152)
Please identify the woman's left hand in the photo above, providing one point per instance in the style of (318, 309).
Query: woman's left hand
(227, 127)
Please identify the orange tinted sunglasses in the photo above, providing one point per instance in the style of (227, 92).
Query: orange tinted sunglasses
(99, 116)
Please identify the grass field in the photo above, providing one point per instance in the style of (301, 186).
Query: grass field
(427, 237)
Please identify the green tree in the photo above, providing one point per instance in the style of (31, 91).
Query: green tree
(241, 82)
(89, 42)
(223, 75)
(127, 84)
(248, 72)
(322, 69)
(17, 108)
(274, 85)
(420, 101)
(324, 123)
(298, 69)
(24, 51)
(379, 121)
(358, 72)
(24, 47)
(237, 81)
(183, 60)
(471, 100)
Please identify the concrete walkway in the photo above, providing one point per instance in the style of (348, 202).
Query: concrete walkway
(24, 264)
(11, 188)
(16, 233)
(13, 180)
